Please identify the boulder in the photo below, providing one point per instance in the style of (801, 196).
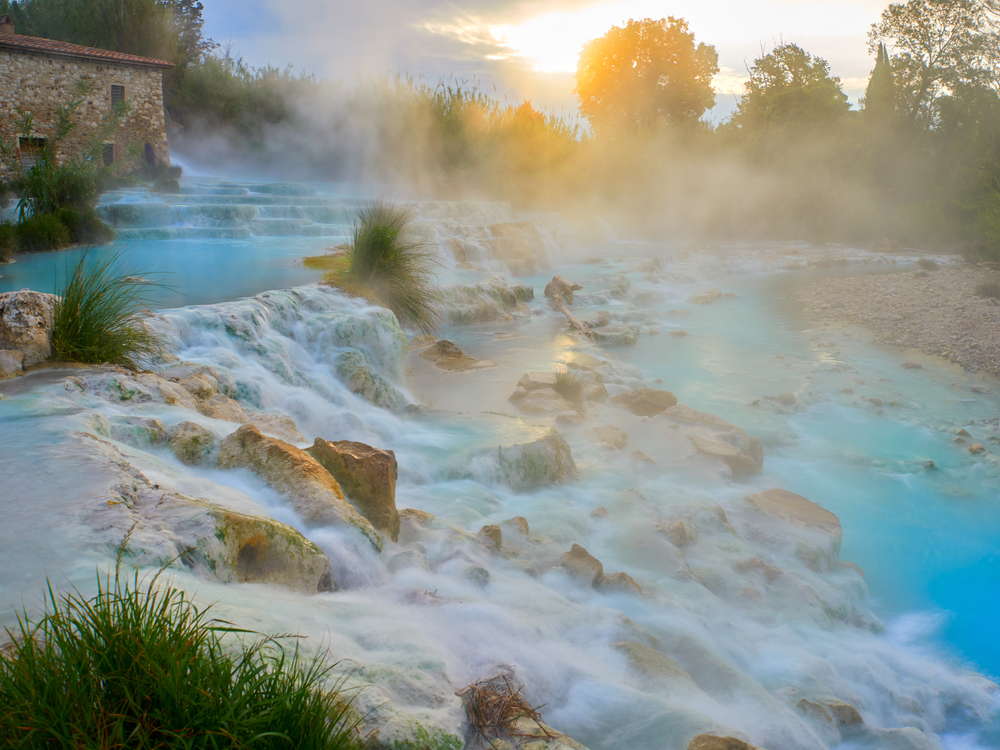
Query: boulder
(611, 437)
(730, 433)
(279, 425)
(542, 401)
(314, 493)
(518, 522)
(533, 381)
(491, 537)
(11, 363)
(786, 399)
(191, 443)
(141, 432)
(583, 566)
(712, 742)
(367, 476)
(544, 461)
(447, 356)
(740, 464)
(844, 713)
(706, 297)
(26, 324)
(615, 335)
(645, 402)
(621, 583)
(653, 665)
(798, 510)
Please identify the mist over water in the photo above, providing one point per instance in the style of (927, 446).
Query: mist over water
(424, 625)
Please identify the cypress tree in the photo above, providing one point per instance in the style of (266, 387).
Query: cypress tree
(880, 96)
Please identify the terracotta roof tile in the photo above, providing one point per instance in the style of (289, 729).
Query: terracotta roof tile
(65, 49)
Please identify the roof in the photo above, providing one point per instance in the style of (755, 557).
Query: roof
(65, 49)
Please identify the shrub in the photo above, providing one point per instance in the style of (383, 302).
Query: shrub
(568, 385)
(926, 264)
(142, 667)
(989, 288)
(85, 227)
(8, 240)
(97, 318)
(394, 267)
(42, 232)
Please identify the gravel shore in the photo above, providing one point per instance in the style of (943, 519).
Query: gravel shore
(938, 313)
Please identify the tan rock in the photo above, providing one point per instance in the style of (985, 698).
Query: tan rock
(741, 465)
(191, 443)
(218, 406)
(651, 664)
(491, 537)
(26, 324)
(798, 510)
(533, 381)
(977, 448)
(816, 711)
(446, 355)
(786, 399)
(368, 477)
(599, 512)
(677, 533)
(518, 522)
(547, 460)
(645, 402)
(619, 582)
(199, 385)
(611, 437)
(544, 402)
(312, 490)
(11, 363)
(279, 425)
(642, 457)
(583, 566)
(844, 713)
(712, 742)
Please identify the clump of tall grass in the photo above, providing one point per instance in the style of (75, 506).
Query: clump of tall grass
(98, 317)
(990, 288)
(142, 667)
(568, 385)
(396, 268)
(926, 264)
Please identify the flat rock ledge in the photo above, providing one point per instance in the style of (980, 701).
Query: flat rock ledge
(938, 313)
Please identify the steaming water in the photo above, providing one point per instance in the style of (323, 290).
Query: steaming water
(926, 538)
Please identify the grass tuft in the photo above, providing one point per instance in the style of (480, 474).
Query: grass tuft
(141, 667)
(989, 288)
(395, 268)
(926, 264)
(98, 317)
(569, 386)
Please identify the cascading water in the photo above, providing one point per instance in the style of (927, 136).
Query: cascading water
(745, 626)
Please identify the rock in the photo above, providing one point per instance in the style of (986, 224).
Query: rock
(844, 713)
(279, 425)
(979, 389)
(199, 385)
(847, 390)
(583, 566)
(312, 490)
(815, 711)
(678, 332)
(744, 443)
(222, 407)
(645, 402)
(446, 355)
(707, 297)
(570, 417)
(477, 575)
(250, 549)
(491, 537)
(140, 432)
(543, 401)
(599, 512)
(977, 448)
(534, 735)
(533, 381)
(741, 465)
(615, 335)
(407, 559)
(817, 542)
(963, 432)
(677, 533)
(518, 522)
(642, 457)
(875, 401)
(611, 437)
(11, 363)
(367, 476)
(786, 399)
(712, 742)
(26, 324)
(544, 461)
(911, 365)
(191, 443)
(619, 582)
(651, 664)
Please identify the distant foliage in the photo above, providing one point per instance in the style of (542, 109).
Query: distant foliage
(99, 315)
(990, 289)
(644, 74)
(140, 666)
(398, 269)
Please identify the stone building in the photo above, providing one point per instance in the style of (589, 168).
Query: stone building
(41, 75)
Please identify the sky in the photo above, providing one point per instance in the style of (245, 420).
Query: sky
(527, 50)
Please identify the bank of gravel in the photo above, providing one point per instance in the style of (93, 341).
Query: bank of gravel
(938, 313)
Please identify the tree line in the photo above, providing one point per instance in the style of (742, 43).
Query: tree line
(914, 164)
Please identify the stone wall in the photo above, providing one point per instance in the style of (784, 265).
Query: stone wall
(40, 83)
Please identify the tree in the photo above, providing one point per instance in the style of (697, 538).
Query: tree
(880, 96)
(790, 87)
(940, 45)
(646, 73)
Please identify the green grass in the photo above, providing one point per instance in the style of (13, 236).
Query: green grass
(142, 667)
(8, 240)
(988, 289)
(568, 385)
(98, 318)
(42, 232)
(394, 267)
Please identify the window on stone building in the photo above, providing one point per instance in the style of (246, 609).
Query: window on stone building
(32, 150)
(117, 94)
(108, 152)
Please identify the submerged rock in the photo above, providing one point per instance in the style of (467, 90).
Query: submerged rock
(645, 402)
(815, 532)
(367, 476)
(712, 742)
(547, 460)
(741, 465)
(447, 356)
(191, 443)
(11, 363)
(312, 490)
